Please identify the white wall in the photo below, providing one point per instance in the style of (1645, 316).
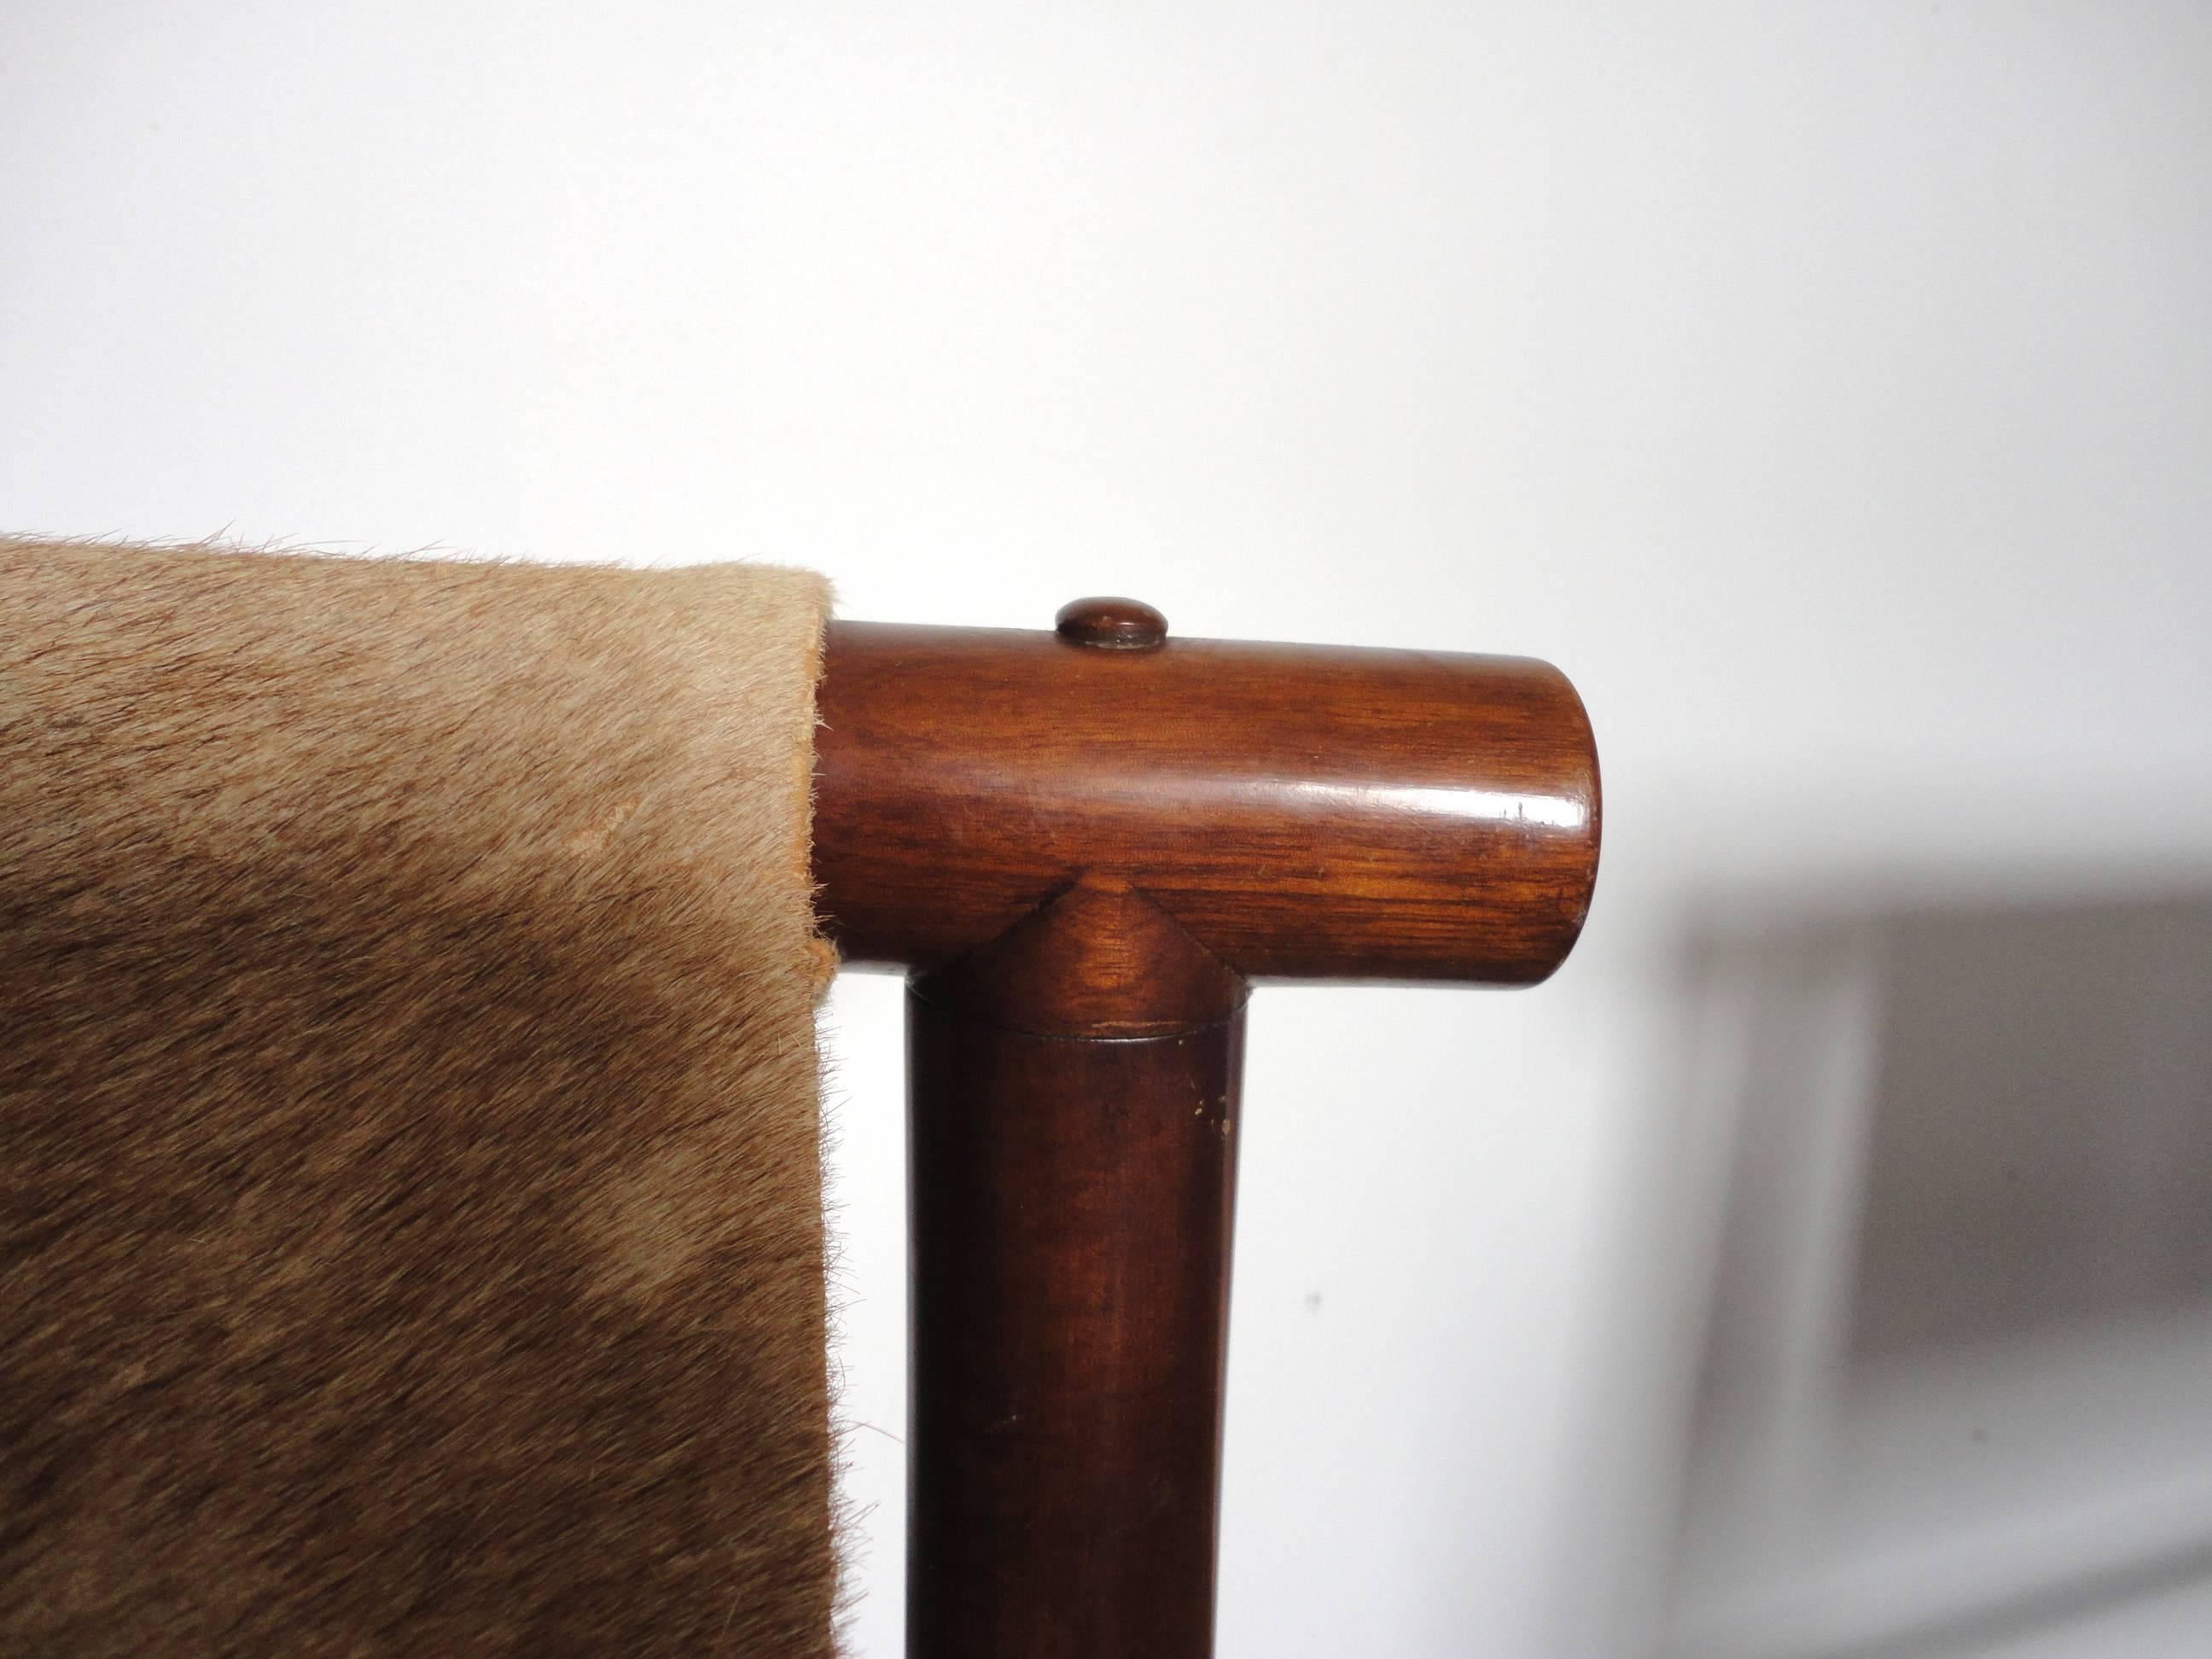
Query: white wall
(1827, 389)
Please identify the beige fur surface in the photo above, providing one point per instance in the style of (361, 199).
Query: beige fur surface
(411, 1236)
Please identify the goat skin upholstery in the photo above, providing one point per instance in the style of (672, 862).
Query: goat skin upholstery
(411, 1224)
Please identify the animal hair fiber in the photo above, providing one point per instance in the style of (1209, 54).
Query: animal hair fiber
(410, 1223)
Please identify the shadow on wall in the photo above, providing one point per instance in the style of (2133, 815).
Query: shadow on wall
(1957, 1380)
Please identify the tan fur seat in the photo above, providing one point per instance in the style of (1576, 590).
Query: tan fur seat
(411, 1236)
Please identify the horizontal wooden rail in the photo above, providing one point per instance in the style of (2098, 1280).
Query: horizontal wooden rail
(1304, 811)
(1084, 846)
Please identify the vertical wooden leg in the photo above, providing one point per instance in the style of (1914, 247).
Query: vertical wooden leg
(1070, 1211)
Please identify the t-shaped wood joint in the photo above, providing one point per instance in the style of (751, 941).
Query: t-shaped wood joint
(1085, 845)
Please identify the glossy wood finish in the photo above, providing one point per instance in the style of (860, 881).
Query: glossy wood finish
(1124, 624)
(1070, 1225)
(1085, 844)
(1301, 812)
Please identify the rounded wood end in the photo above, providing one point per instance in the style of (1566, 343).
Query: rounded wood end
(1114, 623)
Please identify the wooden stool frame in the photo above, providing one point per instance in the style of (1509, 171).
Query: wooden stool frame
(1084, 847)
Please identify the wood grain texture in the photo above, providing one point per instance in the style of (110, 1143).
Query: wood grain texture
(1301, 812)
(1070, 1281)
(1085, 845)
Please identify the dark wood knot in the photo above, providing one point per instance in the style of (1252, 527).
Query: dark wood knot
(1116, 624)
